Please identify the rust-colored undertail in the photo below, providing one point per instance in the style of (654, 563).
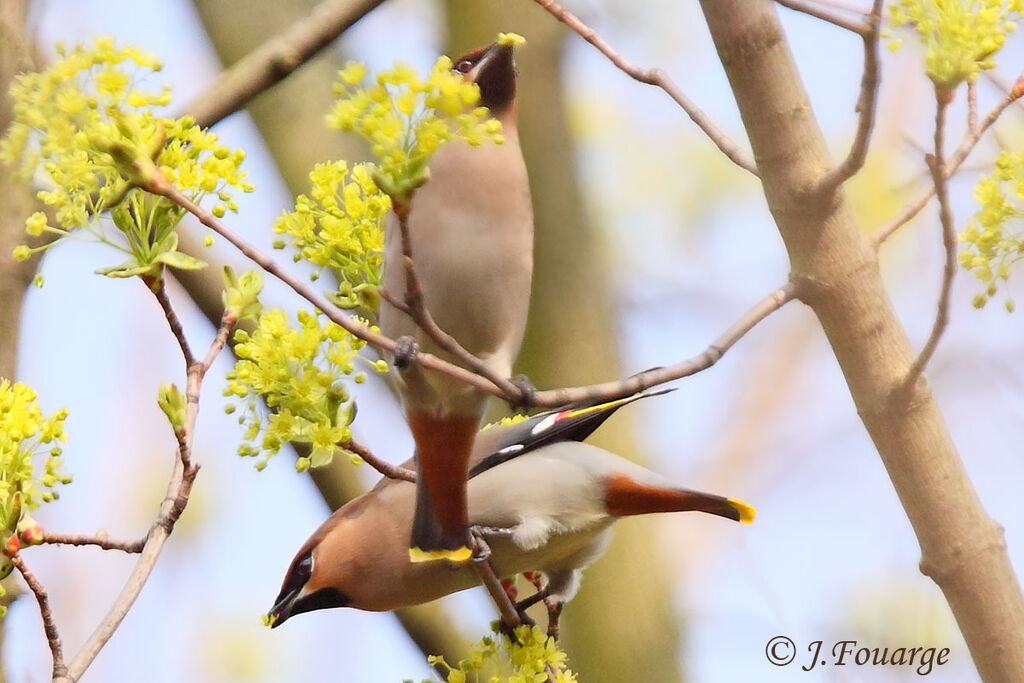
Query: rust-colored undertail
(443, 445)
(625, 496)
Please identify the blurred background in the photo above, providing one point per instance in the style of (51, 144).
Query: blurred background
(649, 243)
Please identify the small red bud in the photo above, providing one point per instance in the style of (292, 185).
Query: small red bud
(1018, 88)
(31, 534)
(12, 546)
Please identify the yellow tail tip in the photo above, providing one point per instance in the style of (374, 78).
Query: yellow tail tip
(746, 512)
(454, 555)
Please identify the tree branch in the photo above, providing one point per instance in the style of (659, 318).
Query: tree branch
(609, 391)
(966, 146)
(385, 468)
(277, 58)
(658, 78)
(159, 289)
(811, 8)
(49, 625)
(937, 164)
(100, 541)
(867, 105)
(416, 309)
(962, 548)
(178, 490)
(553, 398)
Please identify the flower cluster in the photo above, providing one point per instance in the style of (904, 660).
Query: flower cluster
(298, 372)
(24, 433)
(406, 119)
(340, 226)
(960, 37)
(991, 245)
(499, 660)
(86, 128)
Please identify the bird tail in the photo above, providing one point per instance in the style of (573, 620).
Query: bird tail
(625, 496)
(443, 446)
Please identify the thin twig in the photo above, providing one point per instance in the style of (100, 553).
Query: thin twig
(159, 289)
(49, 625)
(544, 399)
(937, 164)
(609, 391)
(387, 469)
(813, 9)
(972, 106)
(951, 166)
(867, 105)
(100, 541)
(275, 59)
(333, 313)
(658, 78)
(488, 577)
(173, 505)
(227, 323)
(416, 308)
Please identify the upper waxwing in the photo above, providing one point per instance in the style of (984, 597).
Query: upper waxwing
(471, 238)
(542, 501)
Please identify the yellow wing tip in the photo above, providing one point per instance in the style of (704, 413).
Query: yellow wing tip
(746, 511)
(461, 554)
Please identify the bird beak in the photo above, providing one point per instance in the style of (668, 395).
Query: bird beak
(282, 609)
(499, 59)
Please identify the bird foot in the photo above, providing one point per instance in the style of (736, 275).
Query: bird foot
(405, 352)
(554, 614)
(526, 388)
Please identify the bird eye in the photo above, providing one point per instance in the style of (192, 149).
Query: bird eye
(304, 568)
(464, 67)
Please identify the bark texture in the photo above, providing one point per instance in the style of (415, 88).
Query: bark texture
(836, 268)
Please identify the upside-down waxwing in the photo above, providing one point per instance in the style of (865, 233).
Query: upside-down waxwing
(542, 500)
(471, 237)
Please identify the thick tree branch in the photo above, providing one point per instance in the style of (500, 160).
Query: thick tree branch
(49, 625)
(937, 164)
(962, 549)
(658, 78)
(273, 61)
(867, 105)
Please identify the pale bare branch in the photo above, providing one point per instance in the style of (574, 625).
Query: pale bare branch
(278, 57)
(49, 625)
(867, 105)
(937, 164)
(818, 11)
(658, 78)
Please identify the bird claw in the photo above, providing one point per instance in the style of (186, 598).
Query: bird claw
(481, 548)
(405, 352)
(526, 389)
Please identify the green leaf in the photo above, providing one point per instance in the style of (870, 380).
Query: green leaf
(127, 269)
(179, 260)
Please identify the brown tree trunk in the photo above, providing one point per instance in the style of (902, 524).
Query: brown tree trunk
(837, 272)
(17, 201)
(621, 626)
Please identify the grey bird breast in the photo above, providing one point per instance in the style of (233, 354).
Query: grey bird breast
(471, 229)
